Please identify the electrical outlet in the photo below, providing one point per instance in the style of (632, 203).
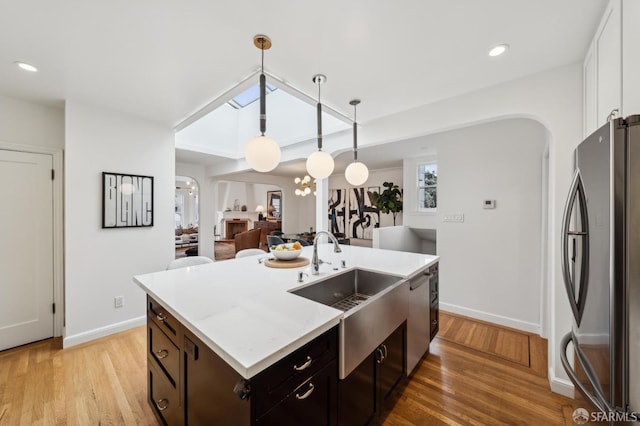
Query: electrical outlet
(118, 301)
(459, 217)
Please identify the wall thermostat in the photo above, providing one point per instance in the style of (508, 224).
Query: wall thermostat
(489, 204)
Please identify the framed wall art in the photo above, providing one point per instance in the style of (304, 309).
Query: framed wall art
(127, 200)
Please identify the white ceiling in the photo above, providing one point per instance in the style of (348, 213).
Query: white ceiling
(166, 60)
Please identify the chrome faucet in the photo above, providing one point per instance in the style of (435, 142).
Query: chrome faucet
(315, 262)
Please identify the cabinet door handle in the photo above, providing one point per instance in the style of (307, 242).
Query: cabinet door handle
(434, 322)
(307, 393)
(162, 353)
(380, 355)
(161, 316)
(162, 404)
(384, 347)
(303, 366)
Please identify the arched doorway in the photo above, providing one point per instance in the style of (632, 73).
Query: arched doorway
(187, 216)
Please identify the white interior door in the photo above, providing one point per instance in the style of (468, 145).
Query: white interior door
(26, 248)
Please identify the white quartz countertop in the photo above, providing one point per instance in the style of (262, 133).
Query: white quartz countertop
(243, 310)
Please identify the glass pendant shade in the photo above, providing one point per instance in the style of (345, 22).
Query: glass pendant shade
(262, 154)
(320, 165)
(356, 173)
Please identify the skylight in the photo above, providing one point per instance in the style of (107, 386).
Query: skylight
(249, 96)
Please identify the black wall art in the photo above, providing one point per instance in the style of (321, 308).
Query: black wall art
(127, 200)
(338, 211)
(352, 214)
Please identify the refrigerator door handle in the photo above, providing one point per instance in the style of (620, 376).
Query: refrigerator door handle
(593, 399)
(576, 192)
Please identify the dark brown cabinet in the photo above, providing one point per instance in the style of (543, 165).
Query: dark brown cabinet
(189, 384)
(391, 362)
(357, 394)
(209, 384)
(434, 308)
(362, 394)
(163, 361)
(164, 397)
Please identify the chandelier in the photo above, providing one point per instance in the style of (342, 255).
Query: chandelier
(305, 186)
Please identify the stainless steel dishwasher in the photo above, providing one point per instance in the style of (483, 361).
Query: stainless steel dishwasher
(419, 322)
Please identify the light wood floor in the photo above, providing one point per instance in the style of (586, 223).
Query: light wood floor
(104, 382)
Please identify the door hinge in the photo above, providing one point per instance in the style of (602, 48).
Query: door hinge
(53, 174)
(54, 308)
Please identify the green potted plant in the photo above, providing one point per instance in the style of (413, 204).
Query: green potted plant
(389, 200)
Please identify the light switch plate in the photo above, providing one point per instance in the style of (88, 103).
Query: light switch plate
(489, 204)
(457, 217)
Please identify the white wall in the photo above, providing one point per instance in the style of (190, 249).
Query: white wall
(27, 123)
(376, 179)
(247, 193)
(298, 212)
(553, 98)
(490, 265)
(100, 263)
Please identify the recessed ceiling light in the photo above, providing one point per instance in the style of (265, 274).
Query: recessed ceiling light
(26, 67)
(498, 50)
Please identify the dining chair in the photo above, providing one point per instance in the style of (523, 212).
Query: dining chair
(273, 240)
(183, 262)
(249, 252)
(247, 239)
(302, 242)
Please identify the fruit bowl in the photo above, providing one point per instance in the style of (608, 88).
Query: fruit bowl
(288, 251)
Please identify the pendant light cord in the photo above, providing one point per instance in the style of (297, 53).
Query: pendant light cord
(355, 134)
(319, 119)
(263, 107)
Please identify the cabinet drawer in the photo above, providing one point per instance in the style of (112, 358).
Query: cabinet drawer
(163, 319)
(312, 403)
(163, 397)
(163, 351)
(275, 383)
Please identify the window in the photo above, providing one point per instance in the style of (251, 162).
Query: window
(427, 186)
(250, 95)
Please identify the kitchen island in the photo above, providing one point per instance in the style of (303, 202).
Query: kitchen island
(239, 319)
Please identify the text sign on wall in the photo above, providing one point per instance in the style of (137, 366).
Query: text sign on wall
(127, 200)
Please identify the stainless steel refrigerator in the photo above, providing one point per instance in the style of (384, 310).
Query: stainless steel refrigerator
(601, 269)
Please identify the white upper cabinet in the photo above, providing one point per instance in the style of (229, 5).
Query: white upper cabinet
(612, 65)
(602, 70)
(608, 47)
(631, 57)
(589, 110)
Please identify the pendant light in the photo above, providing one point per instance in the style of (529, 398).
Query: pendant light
(262, 153)
(356, 173)
(320, 164)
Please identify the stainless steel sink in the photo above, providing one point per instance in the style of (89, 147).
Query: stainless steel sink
(374, 305)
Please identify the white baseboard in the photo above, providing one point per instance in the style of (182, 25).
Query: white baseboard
(496, 319)
(561, 386)
(87, 336)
